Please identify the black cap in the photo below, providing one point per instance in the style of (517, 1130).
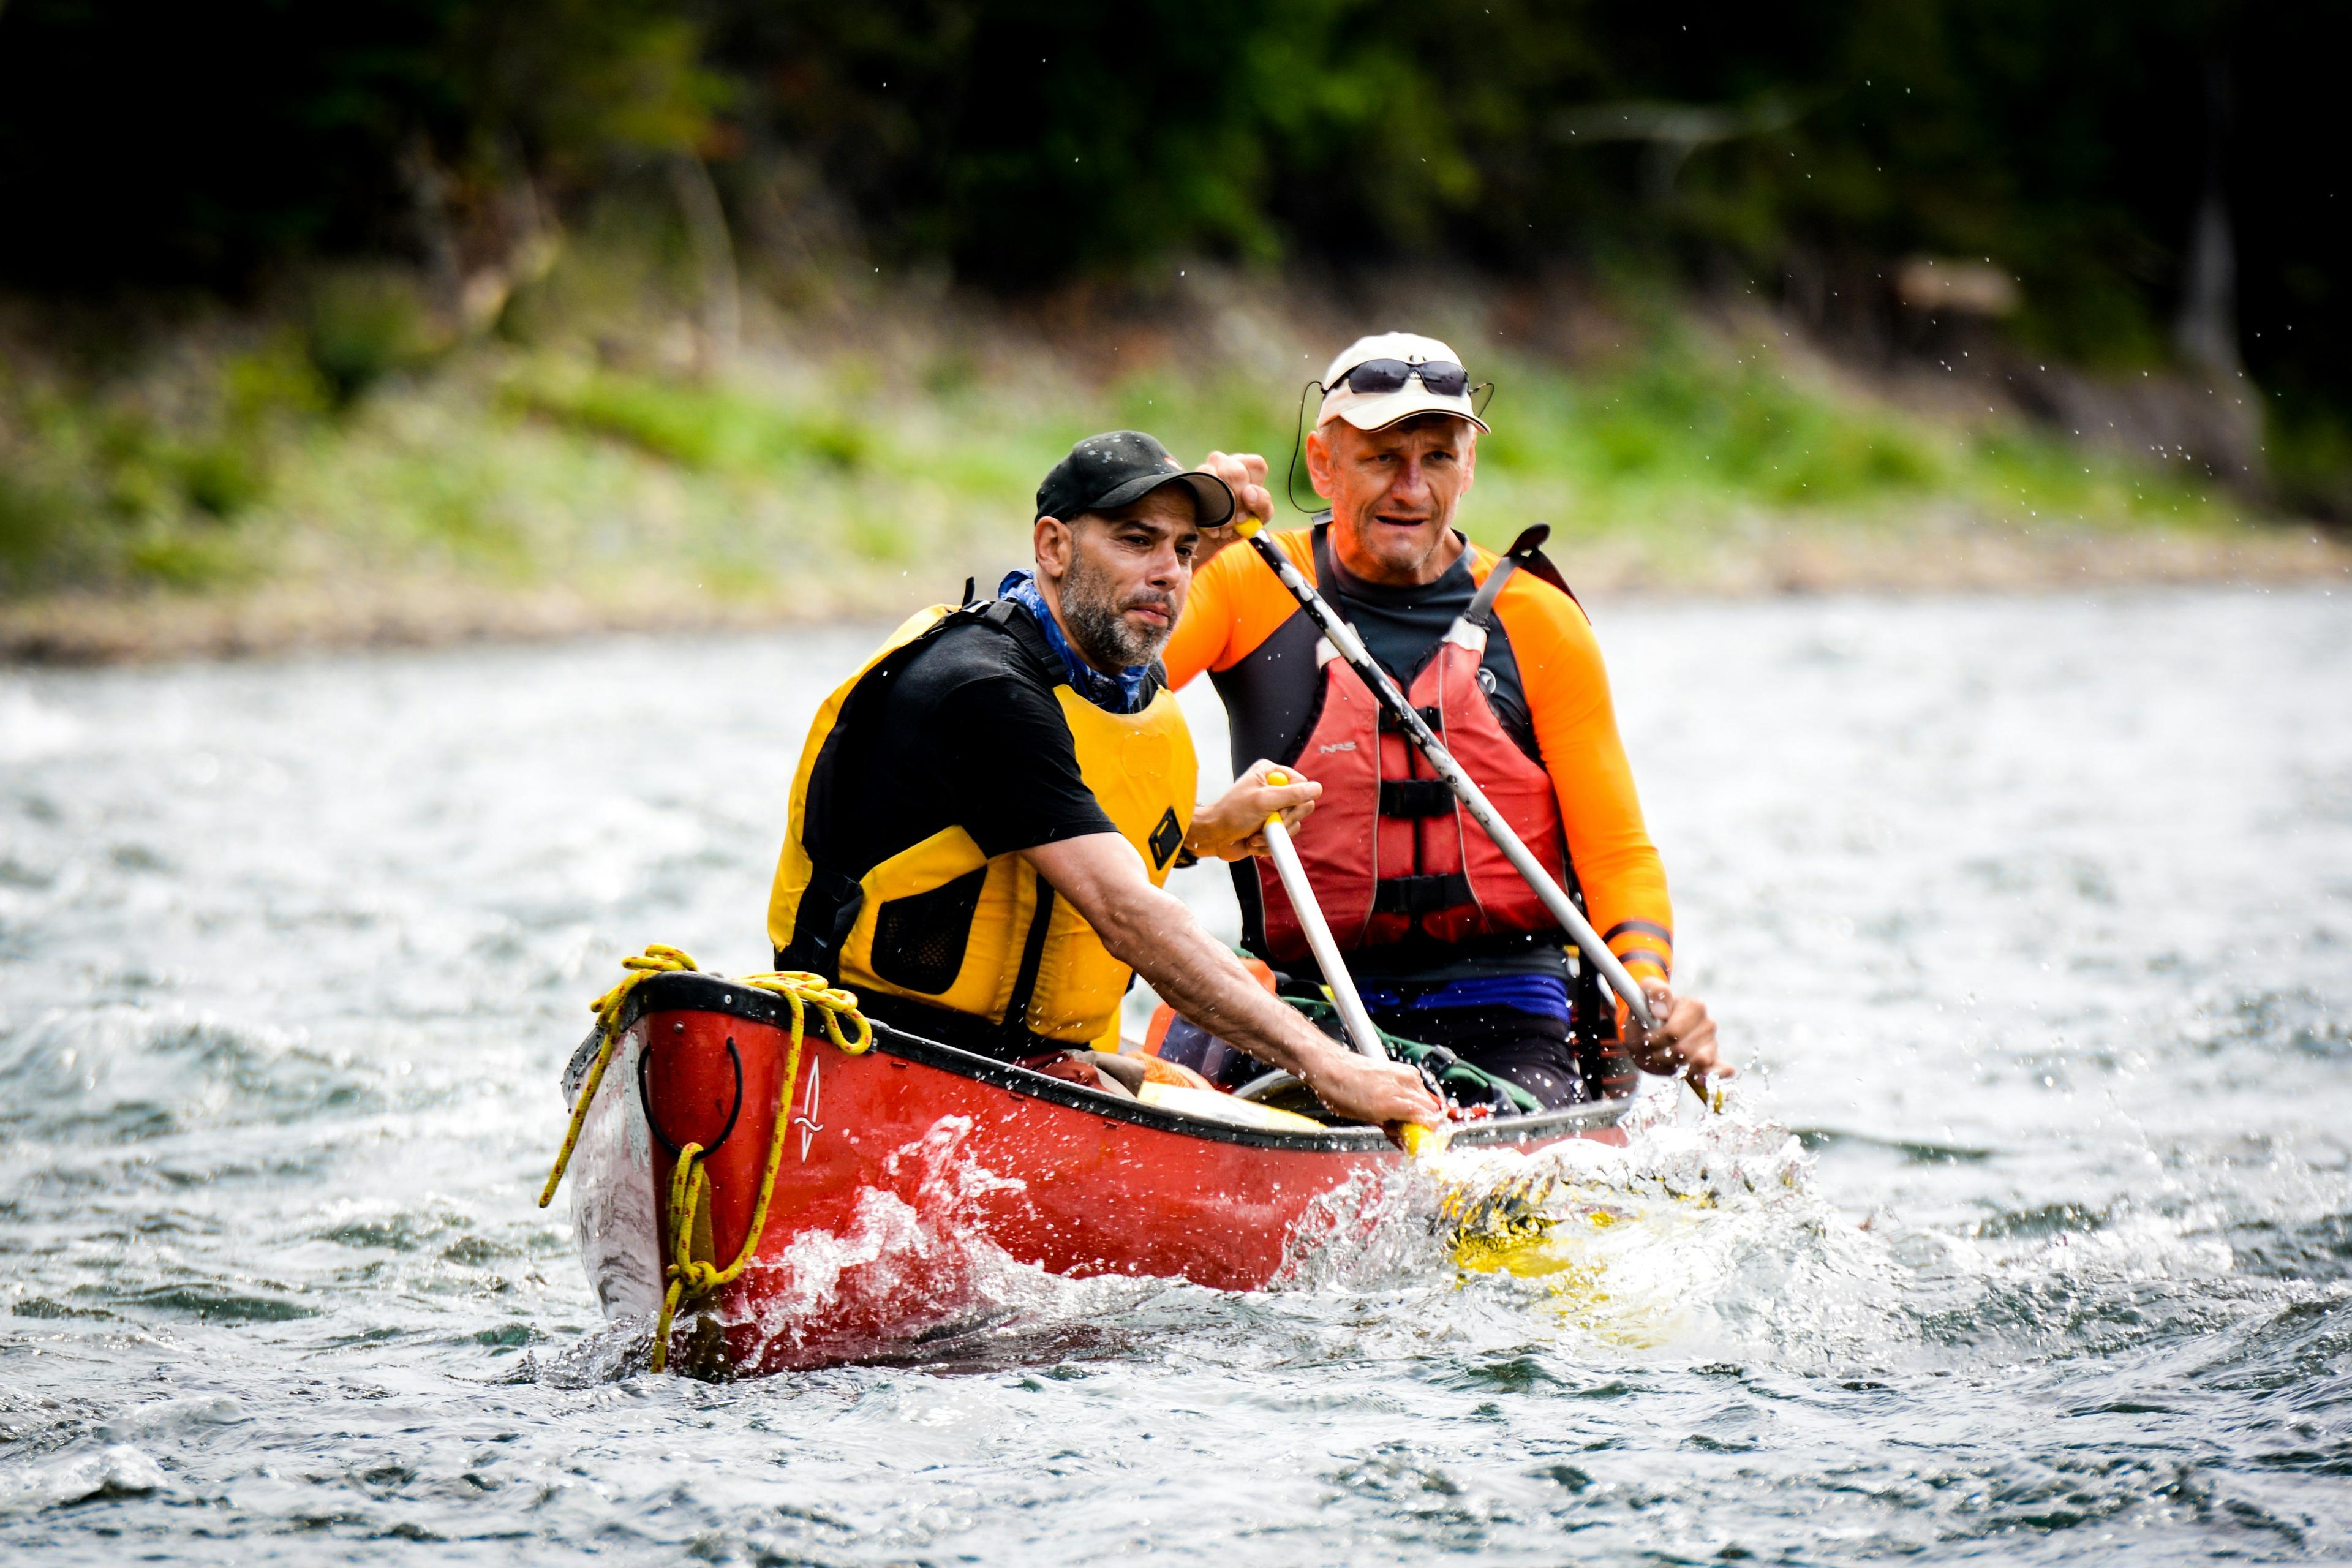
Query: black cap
(1108, 471)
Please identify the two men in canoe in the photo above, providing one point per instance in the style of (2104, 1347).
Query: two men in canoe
(986, 813)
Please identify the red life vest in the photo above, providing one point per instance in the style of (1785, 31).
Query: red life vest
(1389, 850)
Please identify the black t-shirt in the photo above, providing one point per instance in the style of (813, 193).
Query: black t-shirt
(963, 732)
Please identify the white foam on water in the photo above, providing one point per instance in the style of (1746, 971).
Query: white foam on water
(1706, 1238)
(119, 1469)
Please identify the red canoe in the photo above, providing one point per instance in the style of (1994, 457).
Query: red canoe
(910, 1172)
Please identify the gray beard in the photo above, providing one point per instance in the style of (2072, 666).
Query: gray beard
(1095, 625)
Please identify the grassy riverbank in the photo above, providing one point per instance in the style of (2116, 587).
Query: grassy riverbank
(332, 469)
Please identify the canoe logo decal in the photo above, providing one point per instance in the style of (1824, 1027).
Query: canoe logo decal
(805, 1118)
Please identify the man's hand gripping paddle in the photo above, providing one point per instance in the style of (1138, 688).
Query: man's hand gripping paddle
(1489, 1226)
(1349, 647)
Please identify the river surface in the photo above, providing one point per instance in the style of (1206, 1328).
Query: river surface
(2031, 918)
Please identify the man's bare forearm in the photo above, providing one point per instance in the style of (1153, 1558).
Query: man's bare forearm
(1196, 975)
(1102, 876)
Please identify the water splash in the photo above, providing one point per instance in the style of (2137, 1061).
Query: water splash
(913, 1262)
(1703, 1237)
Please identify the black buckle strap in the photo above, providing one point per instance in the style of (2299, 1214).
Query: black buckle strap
(1433, 716)
(1416, 797)
(1008, 616)
(1418, 896)
(1016, 1022)
(828, 909)
(1481, 612)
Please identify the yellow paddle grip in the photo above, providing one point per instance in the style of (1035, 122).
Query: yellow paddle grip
(1277, 779)
(1419, 1140)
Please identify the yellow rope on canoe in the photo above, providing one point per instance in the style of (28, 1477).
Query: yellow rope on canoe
(658, 959)
(689, 1278)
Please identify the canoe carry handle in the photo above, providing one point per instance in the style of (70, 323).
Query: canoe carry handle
(646, 1099)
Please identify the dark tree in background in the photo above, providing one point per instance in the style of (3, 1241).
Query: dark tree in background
(148, 141)
(2160, 175)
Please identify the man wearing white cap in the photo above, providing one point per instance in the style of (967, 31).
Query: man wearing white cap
(1445, 940)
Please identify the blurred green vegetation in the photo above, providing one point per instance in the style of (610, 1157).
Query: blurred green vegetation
(721, 430)
(1798, 148)
(547, 291)
(346, 441)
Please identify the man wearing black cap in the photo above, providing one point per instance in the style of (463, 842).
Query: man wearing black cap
(985, 814)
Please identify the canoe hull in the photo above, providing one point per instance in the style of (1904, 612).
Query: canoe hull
(909, 1172)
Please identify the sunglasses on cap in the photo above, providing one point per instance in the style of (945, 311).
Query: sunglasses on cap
(1375, 376)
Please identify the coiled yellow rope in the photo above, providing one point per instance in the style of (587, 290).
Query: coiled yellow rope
(689, 1277)
(658, 959)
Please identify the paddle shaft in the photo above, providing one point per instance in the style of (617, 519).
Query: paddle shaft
(1416, 1139)
(1342, 638)
(1367, 1038)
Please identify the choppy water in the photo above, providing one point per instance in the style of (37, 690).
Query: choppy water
(2034, 918)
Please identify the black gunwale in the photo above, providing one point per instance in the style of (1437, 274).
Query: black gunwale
(692, 991)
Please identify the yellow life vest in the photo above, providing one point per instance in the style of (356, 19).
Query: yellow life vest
(943, 925)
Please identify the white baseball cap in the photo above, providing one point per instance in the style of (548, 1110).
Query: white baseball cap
(1379, 410)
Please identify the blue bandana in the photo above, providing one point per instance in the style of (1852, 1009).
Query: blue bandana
(1125, 692)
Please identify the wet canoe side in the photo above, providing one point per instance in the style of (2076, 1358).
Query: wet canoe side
(919, 1142)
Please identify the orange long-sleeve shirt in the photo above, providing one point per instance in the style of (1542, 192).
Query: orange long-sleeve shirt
(1237, 608)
